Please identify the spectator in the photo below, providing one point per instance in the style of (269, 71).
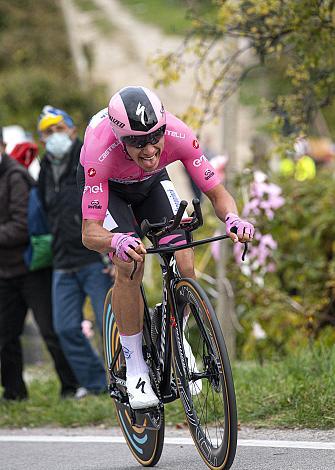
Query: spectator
(36, 293)
(17, 291)
(78, 272)
(26, 154)
(321, 149)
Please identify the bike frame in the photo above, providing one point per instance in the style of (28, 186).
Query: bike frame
(170, 316)
(171, 276)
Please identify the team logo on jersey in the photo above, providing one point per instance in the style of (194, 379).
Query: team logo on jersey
(140, 112)
(196, 144)
(91, 172)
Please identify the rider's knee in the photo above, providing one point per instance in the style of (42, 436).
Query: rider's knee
(185, 262)
(124, 273)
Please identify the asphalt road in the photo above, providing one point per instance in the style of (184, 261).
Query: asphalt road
(96, 449)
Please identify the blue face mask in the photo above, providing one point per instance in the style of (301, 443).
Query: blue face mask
(58, 144)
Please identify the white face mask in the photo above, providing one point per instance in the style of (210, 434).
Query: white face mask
(58, 144)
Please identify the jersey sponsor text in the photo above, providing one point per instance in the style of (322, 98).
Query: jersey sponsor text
(93, 189)
(198, 161)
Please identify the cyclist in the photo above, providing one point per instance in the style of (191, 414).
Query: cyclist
(126, 149)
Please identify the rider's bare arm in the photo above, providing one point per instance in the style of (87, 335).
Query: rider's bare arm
(222, 201)
(96, 237)
(226, 210)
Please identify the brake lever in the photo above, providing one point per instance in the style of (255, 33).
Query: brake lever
(134, 270)
(245, 250)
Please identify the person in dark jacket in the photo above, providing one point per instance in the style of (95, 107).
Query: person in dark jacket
(77, 271)
(21, 289)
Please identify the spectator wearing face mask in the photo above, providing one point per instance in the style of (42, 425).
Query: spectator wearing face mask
(77, 271)
(23, 286)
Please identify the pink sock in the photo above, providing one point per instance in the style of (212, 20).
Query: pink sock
(132, 350)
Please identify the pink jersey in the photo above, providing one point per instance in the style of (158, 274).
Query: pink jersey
(104, 158)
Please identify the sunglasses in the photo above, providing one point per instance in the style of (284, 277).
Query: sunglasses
(140, 141)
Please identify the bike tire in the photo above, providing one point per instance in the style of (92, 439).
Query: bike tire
(213, 398)
(145, 444)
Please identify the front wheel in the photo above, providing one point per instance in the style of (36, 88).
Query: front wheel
(203, 375)
(145, 443)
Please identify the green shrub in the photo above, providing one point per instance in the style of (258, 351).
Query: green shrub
(37, 67)
(297, 300)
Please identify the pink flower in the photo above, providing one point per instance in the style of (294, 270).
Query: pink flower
(265, 197)
(259, 255)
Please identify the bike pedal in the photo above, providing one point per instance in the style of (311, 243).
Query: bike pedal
(116, 394)
(152, 418)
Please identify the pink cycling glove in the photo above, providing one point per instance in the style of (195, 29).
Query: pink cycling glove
(121, 243)
(243, 227)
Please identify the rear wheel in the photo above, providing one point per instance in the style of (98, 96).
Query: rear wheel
(204, 378)
(145, 443)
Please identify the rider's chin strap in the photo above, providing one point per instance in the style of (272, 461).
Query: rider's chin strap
(128, 157)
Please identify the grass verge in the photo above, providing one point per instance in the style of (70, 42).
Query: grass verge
(296, 392)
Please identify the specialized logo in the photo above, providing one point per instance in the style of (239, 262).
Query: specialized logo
(196, 144)
(140, 112)
(198, 161)
(94, 204)
(140, 384)
(93, 189)
(91, 172)
(116, 122)
(208, 174)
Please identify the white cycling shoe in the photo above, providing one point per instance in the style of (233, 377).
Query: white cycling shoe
(195, 387)
(140, 392)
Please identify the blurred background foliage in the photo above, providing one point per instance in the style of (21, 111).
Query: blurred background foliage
(294, 304)
(172, 21)
(230, 39)
(36, 66)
